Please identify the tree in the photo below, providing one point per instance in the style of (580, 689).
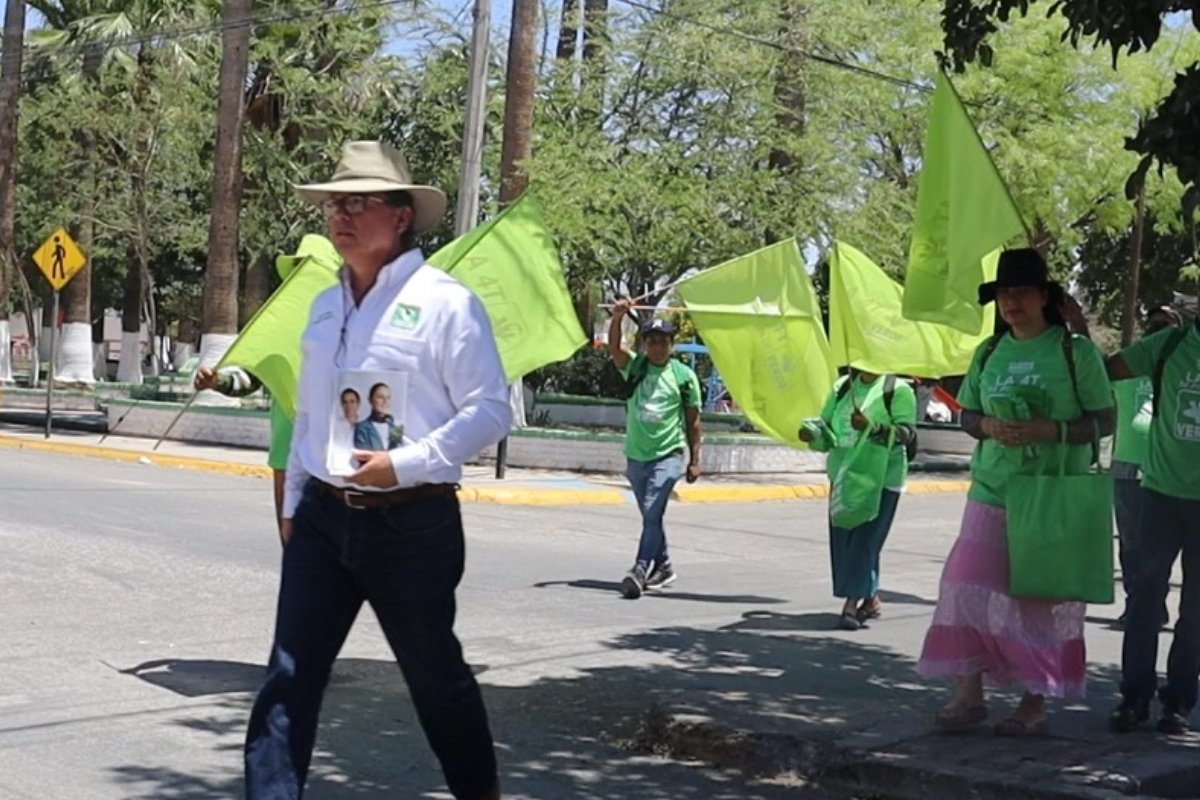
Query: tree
(219, 321)
(1169, 134)
(10, 96)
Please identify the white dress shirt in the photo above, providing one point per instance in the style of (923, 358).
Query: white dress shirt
(457, 400)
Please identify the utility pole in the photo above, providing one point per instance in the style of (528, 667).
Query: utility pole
(519, 83)
(467, 213)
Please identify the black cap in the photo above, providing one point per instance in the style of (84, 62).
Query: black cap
(1023, 267)
(659, 326)
(1170, 312)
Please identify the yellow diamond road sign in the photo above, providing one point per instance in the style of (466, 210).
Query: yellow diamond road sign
(59, 258)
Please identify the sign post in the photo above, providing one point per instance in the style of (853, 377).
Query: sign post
(59, 259)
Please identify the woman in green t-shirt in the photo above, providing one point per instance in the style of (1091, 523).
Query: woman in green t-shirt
(1028, 388)
(883, 408)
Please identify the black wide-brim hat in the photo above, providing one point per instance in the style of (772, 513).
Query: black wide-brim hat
(1017, 268)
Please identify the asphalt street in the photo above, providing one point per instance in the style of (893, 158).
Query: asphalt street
(138, 604)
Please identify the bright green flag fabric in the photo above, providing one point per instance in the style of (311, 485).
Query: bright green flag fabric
(759, 317)
(868, 330)
(269, 346)
(511, 263)
(964, 212)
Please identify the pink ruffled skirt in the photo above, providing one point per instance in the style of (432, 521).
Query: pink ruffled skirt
(978, 628)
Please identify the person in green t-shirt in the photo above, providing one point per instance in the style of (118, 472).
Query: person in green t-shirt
(1021, 400)
(1168, 526)
(863, 404)
(662, 422)
(237, 382)
(1134, 413)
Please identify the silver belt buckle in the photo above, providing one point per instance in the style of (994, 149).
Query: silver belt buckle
(348, 497)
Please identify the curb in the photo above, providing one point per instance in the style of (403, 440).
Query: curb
(511, 496)
(130, 456)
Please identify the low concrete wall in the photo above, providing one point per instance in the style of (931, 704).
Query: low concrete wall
(240, 427)
(35, 399)
(535, 448)
(576, 451)
(530, 447)
(604, 412)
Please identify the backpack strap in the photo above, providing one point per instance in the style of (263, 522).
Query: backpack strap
(1160, 366)
(889, 391)
(1068, 346)
(843, 388)
(639, 375)
(992, 343)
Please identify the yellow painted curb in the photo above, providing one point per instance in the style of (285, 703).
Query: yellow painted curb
(541, 497)
(750, 494)
(157, 459)
(937, 487)
(515, 496)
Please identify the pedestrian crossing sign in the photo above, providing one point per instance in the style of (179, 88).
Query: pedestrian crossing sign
(59, 258)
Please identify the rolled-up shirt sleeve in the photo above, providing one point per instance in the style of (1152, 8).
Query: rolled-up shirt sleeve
(470, 370)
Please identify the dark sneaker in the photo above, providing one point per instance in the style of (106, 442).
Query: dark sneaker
(849, 621)
(661, 577)
(1129, 716)
(634, 582)
(1172, 723)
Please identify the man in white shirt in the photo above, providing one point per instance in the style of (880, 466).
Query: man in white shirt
(390, 533)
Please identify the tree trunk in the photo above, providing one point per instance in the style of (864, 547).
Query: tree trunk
(129, 369)
(10, 95)
(520, 82)
(74, 361)
(595, 49)
(257, 288)
(568, 30)
(595, 29)
(219, 318)
(1130, 307)
(789, 81)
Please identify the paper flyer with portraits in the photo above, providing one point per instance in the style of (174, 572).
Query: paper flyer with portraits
(367, 413)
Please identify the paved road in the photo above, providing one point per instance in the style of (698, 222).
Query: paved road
(138, 603)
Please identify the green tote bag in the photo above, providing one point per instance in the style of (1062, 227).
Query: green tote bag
(1060, 544)
(857, 486)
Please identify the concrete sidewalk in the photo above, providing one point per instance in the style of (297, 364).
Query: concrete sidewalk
(519, 487)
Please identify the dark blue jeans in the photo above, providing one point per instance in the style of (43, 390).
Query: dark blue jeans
(406, 561)
(652, 482)
(1168, 527)
(1127, 493)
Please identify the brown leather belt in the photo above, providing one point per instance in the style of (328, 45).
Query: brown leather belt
(354, 498)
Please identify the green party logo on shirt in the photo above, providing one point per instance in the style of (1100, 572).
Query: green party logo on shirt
(406, 316)
(1187, 409)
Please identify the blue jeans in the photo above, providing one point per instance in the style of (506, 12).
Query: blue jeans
(652, 482)
(406, 561)
(1126, 504)
(1169, 526)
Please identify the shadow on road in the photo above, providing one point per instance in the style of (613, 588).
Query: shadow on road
(582, 736)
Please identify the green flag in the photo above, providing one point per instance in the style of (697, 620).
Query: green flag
(964, 212)
(511, 263)
(868, 331)
(759, 317)
(269, 346)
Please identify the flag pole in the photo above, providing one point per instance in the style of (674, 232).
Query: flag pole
(186, 406)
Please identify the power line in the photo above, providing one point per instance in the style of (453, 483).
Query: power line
(760, 40)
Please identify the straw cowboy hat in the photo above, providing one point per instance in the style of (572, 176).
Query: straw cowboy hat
(378, 167)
